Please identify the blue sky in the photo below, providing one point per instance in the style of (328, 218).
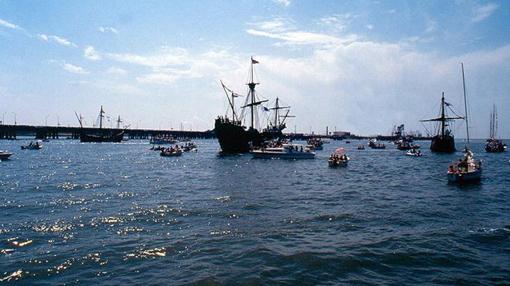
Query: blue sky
(361, 66)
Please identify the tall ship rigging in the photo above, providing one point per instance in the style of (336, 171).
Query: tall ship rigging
(232, 135)
(443, 141)
(103, 134)
(493, 144)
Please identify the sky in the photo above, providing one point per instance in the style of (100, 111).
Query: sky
(359, 66)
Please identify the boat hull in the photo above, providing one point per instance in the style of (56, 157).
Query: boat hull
(5, 155)
(103, 138)
(258, 154)
(465, 177)
(442, 144)
(334, 164)
(234, 138)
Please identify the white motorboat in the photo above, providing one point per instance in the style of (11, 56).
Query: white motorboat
(33, 146)
(286, 151)
(414, 153)
(171, 152)
(4, 155)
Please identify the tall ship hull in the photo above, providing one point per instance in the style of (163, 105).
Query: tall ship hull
(94, 138)
(442, 144)
(233, 138)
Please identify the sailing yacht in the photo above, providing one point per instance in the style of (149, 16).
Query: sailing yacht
(493, 144)
(467, 169)
(232, 135)
(443, 141)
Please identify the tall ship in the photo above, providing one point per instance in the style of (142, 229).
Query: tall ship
(493, 144)
(233, 135)
(444, 140)
(101, 135)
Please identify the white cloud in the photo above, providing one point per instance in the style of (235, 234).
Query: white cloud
(282, 2)
(370, 26)
(108, 30)
(57, 39)
(431, 26)
(91, 54)
(483, 12)
(338, 21)
(116, 71)
(74, 68)
(281, 30)
(9, 25)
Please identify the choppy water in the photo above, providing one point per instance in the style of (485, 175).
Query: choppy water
(113, 214)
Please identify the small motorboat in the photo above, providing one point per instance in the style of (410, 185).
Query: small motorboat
(190, 147)
(286, 151)
(338, 158)
(162, 139)
(4, 155)
(414, 153)
(33, 146)
(361, 147)
(315, 144)
(372, 143)
(171, 152)
(347, 142)
(158, 148)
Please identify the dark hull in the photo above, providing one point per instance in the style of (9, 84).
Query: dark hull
(234, 138)
(495, 146)
(93, 138)
(442, 144)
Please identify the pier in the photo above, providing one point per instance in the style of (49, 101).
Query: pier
(62, 132)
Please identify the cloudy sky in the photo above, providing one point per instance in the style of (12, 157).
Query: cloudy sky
(361, 66)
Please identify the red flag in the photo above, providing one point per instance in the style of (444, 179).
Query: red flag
(254, 61)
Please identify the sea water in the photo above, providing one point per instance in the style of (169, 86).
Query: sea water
(115, 214)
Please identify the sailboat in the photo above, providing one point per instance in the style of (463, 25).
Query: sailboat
(467, 169)
(232, 135)
(493, 144)
(103, 135)
(443, 141)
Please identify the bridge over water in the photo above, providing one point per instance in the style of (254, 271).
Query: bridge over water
(56, 132)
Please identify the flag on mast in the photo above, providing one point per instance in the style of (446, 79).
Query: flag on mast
(254, 61)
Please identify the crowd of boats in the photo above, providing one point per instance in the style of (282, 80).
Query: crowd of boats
(234, 137)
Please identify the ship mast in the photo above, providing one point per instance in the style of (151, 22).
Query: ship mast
(252, 85)
(101, 115)
(251, 95)
(276, 108)
(443, 120)
(118, 122)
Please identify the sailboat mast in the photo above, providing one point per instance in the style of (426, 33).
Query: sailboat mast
(443, 119)
(465, 103)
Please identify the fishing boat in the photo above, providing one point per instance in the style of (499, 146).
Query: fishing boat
(33, 146)
(171, 152)
(101, 135)
(467, 169)
(414, 153)
(4, 155)
(374, 144)
(338, 158)
(444, 140)
(232, 135)
(286, 151)
(493, 144)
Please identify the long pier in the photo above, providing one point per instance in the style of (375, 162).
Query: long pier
(56, 132)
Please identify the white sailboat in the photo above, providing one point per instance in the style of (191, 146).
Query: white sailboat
(467, 169)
